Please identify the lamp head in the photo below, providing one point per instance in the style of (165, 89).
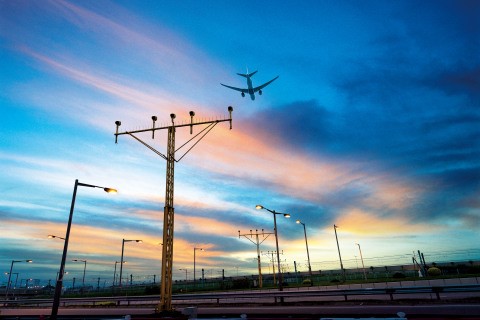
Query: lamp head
(230, 108)
(139, 241)
(286, 215)
(154, 118)
(258, 207)
(191, 113)
(298, 221)
(110, 190)
(118, 123)
(173, 116)
(29, 261)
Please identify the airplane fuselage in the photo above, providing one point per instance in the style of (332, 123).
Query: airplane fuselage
(250, 88)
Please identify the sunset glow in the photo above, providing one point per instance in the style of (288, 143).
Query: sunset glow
(373, 125)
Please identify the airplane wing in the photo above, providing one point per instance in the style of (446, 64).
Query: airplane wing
(238, 89)
(264, 85)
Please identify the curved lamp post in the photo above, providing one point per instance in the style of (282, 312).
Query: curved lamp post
(84, 268)
(194, 279)
(306, 244)
(286, 215)
(10, 275)
(121, 259)
(59, 284)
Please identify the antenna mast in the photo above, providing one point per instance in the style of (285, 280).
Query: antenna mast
(249, 236)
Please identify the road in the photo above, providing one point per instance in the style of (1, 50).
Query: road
(315, 306)
(472, 311)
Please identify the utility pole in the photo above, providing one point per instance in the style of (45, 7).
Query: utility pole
(168, 213)
(421, 257)
(361, 257)
(339, 255)
(420, 268)
(257, 242)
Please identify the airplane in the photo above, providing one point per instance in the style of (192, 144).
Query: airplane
(250, 90)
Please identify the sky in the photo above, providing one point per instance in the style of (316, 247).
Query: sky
(372, 125)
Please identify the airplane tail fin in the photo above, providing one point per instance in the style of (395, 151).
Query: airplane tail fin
(247, 75)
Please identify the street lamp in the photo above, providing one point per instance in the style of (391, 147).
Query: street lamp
(306, 244)
(286, 215)
(361, 258)
(59, 284)
(194, 250)
(10, 275)
(115, 272)
(84, 268)
(26, 282)
(121, 259)
(186, 277)
(16, 279)
(339, 255)
(65, 272)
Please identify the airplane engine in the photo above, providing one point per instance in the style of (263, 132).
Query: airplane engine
(260, 92)
(243, 94)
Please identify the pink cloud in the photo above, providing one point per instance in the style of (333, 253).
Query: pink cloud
(243, 155)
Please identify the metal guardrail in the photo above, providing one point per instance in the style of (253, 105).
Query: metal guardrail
(285, 295)
(246, 297)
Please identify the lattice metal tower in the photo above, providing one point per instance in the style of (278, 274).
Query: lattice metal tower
(168, 214)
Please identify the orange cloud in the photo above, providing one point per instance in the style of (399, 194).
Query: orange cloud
(205, 225)
(90, 240)
(245, 156)
(83, 239)
(359, 222)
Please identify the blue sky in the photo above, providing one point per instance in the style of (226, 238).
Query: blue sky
(373, 125)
